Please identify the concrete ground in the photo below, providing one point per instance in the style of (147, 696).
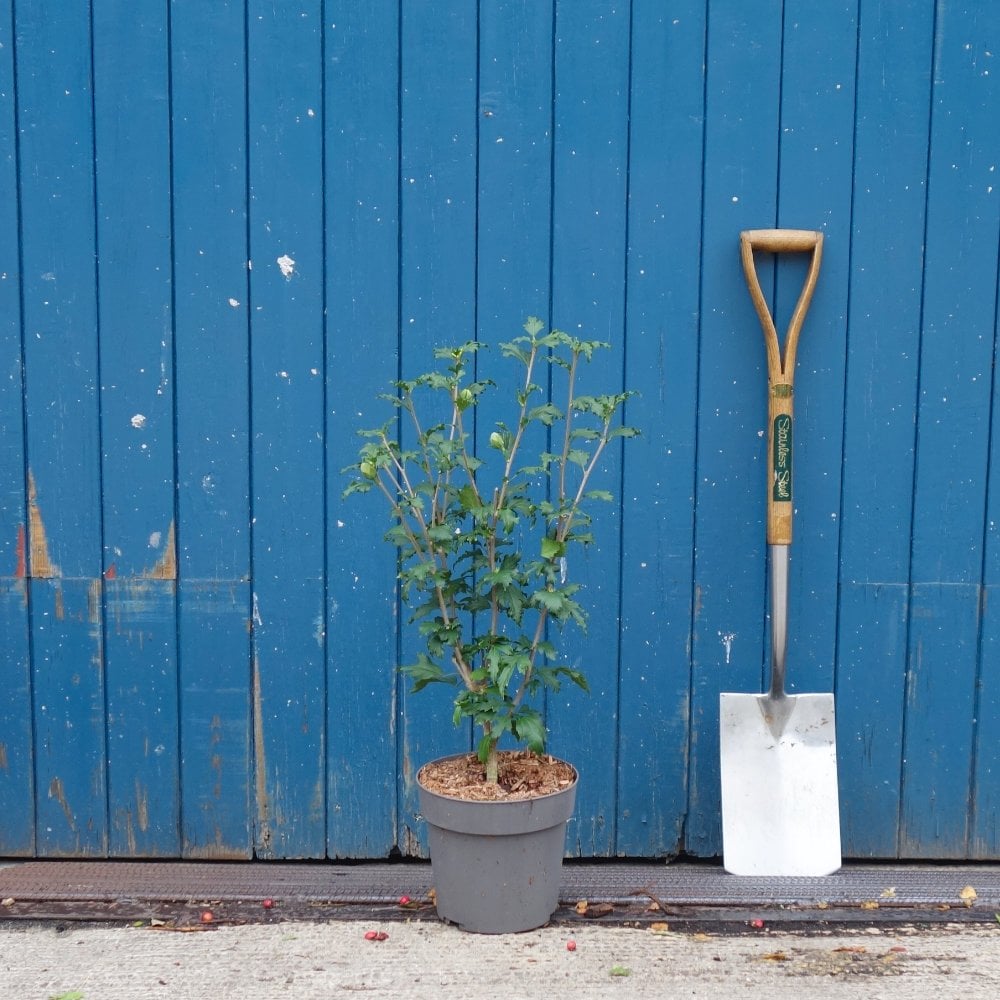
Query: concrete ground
(424, 958)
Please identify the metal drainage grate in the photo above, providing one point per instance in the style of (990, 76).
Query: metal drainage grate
(110, 889)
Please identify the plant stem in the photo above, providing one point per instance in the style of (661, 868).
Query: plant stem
(492, 761)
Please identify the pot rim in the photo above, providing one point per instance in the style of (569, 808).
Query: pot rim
(494, 802)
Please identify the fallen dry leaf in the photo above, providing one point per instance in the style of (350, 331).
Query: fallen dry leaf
(968, 895)
(596, 910)
(581, 907)
(856, 949)
(869, 904)
(889, 893)
(659, 927)
(701, 936)
(9, 901)
(776, 956)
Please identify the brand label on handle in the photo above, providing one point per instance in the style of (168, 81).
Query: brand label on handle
(782, 438)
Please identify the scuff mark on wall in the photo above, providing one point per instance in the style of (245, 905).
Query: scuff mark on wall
(4, 765)
(41, 566)
(410, 844)
(94, 604)
(21, 570)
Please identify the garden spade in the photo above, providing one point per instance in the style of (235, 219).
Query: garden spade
(778, 752)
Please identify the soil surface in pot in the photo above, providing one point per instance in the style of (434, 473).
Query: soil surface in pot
(522, 775)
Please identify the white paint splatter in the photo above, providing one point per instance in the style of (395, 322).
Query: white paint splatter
(154, 540)
(235, 303)
(726, 638)
(138, 421)
(287, 266)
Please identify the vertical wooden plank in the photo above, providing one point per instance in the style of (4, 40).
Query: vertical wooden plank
(817, 129)
(438, 284)
(132, 129)
(890, 163)
(208, 73)
(286, 297)
(958, 322)
(817, 139)
(664, 223)
(17, 833)
(588, 248)
(740, 192)
(984, 839)
(515, 192)
(362, 328)
(515, 160)
(61, 366)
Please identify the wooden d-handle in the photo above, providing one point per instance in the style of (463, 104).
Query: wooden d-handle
(780, 368)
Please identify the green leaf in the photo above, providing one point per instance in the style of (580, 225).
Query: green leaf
(533, 326)
(546, 414)
(552, 548)
(529, 729)
(467, 497)
(552, 600)
(483, 748)
(425, 671)
(511, 350)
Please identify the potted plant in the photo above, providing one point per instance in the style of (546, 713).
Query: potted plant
(483, 541)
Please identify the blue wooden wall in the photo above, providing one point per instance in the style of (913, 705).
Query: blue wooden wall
(224, 227)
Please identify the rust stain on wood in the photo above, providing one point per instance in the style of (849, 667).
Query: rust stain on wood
(260, 765)
(56, 792)
(41, 564)
(166, 567)
(142, 806)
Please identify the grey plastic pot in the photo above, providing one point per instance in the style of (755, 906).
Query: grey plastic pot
(497, 865)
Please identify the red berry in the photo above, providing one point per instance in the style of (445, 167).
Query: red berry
(404, 900)
(268, 904)
(571, 945)
(371, 935)
(206, 916)
(758, 923)
(381, 936)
